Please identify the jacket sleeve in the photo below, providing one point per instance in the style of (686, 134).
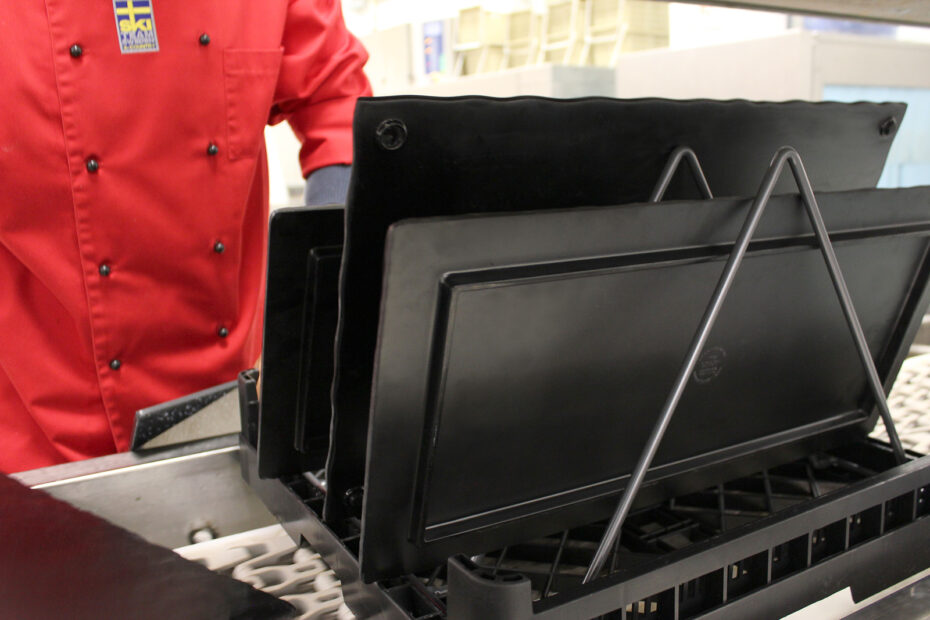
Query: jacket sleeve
(321, 77)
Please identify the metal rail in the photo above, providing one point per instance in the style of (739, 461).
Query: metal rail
(910, 12)
(784, 154)
(672, 165)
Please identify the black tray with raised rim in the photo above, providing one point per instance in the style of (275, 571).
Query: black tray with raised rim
(420, 157)
(523, 359)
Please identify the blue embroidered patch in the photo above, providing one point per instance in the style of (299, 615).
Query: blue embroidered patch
(135, 25)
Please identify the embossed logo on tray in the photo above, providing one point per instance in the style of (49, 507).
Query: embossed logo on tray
(709, 365)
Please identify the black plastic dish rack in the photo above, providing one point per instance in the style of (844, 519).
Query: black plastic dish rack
(504, 346)
(760, 546)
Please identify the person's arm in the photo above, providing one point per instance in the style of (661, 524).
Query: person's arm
(328, 185)
(321, 77)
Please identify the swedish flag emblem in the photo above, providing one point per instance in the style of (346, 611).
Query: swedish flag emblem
(135, 26)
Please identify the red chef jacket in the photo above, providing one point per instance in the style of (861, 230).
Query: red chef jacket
(133, 199)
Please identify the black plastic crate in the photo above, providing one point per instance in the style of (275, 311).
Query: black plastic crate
(675, 560)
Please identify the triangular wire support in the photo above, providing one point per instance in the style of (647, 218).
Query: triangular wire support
(671, 167)
(784, 154)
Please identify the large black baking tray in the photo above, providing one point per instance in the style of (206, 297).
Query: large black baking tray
(417, 157)
(305, 249)
(523, 359)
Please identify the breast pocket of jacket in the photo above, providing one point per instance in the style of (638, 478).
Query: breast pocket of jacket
(250, 77)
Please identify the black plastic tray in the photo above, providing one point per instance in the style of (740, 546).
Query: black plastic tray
(305, 249)
(523, 359)
(417, 157)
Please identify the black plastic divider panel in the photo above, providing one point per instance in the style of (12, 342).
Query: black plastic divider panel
(523, 358)
(419, 157)
(305, 249)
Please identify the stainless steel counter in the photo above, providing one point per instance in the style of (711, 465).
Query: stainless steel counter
(163, 495)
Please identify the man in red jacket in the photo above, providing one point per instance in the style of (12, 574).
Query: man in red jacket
(134, 199)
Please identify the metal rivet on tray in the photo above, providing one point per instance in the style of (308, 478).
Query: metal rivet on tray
(887, 126)
(354, 498)
(391, 134)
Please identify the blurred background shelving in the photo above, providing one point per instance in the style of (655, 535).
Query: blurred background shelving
(634, 48)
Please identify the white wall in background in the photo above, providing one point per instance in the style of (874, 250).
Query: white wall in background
(773, 69)
(285, 180)
(390, 67)
(542, 80)
(693, 25)
(795, 65)
(366, 16)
